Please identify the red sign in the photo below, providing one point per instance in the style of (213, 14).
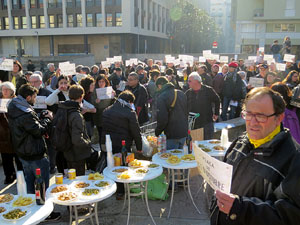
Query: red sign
(215, 44)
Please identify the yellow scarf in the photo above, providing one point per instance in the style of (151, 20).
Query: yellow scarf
(260, 142)
(13, 80)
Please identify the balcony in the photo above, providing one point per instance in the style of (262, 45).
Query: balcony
(258, 13)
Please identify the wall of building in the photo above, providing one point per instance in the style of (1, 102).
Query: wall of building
(245, 9)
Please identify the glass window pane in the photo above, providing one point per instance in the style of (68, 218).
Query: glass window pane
(23, 4)
(99, 20)
(16, 22)
(118, 2)
(60, 20)
(51, 21)
(78, 3)
(70, 21)
(291, 28)
(89, 20)
(4, 5)
(1, 24)
(15, 4)
(33, 21)
(277, 27)
(52, 4)
(42, 21)
(6, 21)
(41, 4)
(108, 19)
(24, 22)
(284, 27)
(98, 2)
(59, 4)
(109, 2)
(89, 3)
(79, 20)
(118, 19)
(70, 3)
(32, 4)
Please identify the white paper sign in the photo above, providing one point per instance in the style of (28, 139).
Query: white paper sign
(158, 62)
(216, 173)
(3, 104)
(127, 63)
(7, 64)
(162, 69)
(105, 64)
(170, 60)
(268, 57)
(104, 93)
(176, 62)
(40, 102)
(206, 53)
(110, 60)
(202, 59)
(117, 58)
(134, 61)
(280, 66)
(67, 68)
(289, 58)
(252, 58)
(256, 82)
(122, 85)
(249, 62)
(261, 49)
(224, 59)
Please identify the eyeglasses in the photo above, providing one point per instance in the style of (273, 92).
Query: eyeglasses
(261, 118)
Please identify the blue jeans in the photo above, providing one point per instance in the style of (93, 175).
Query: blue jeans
(29, 172)
(277, 57)
(226, 102)
(175, 143)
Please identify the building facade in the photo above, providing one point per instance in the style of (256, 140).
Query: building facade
(103, 28)
(258, 23)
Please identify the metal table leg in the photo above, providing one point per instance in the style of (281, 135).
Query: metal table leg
(172, 194)
(128, 191)
(96, 213)
(147, 204)
(76, 214)
(189, 188)
(71, 215)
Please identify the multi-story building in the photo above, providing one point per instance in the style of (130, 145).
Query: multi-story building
(72, 27)
(258, 23)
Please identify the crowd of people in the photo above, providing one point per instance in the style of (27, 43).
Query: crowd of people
(143, 93)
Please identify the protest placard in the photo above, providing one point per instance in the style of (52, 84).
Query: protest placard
(224, 59)
(254, 58)
(110, 60)
(127, 63)
(206, 53)
(134, 61)
(158, 62)
(261, 49)
(256, 82)
(268, 57)
(67, 68)
(104, 93)
(7, 64)
(3, 105)
(170, 60)
(202, 59)
(117, 58)
(249, 62)
(215, 172)
(40, 102)
(280, 66)
(289, 58)
(122, 85)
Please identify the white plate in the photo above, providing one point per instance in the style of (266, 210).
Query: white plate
(56, 185)
(8, 201)
(119, 167)
(173, 163)
(188, 161)
(163, 157)
(104, 180)
(32, 196)
(57, 196)
(74, 183)
(6, 207)
(14, 220)
(175, 153)
(141, 174)
(153, 167)
(82, 196)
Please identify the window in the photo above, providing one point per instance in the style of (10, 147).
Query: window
(78, 3)
(89, 3)
(69, 3)
(98, 20)
(16, 22)
(23, 4)
(51, 21)
(4, 5)
(98, 2)
(119, 2)
(284, 27)
(78, 20)
(118, 19)
(89, 20)
(136, 13)
(109, 20)
(59, 3)
(60, 20)
(32, 4)
(33, 21)
(24, 22)
(15, 4)
(6, 23)
(1, 24)
(70, 20)
(55, 3)
(42, 21)
(109, 2)
(41, 4)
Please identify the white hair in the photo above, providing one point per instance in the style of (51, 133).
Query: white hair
(196, 77)
(8, 85)
(36, 75)
(49, 65)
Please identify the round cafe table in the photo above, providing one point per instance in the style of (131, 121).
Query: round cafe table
(181, 166)
(90, 200)
(38, 213)
(152, 174)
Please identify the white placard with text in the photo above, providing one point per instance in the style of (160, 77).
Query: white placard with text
(40, 102)
(289, 58)
(67, 68)
(256, 82)
(6, 64)
(104, 93)
(224, 59)
(3, 105)
(280, 66)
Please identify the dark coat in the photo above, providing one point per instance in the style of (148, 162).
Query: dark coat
(206, 79)
(121, 123)
(233, 87)
(202, 102)
(173, 121)
(27, 130)
(81, 143)
(103, 104)
(266, 179)
(141, 101)
(5, 137)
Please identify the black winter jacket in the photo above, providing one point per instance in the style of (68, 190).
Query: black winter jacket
(120, 122)
(233, 87)
(174, 122)
(27, 130)
(267, 181)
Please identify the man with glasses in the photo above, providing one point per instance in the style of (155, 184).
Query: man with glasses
(265, 185)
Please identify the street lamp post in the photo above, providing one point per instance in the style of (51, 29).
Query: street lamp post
(38, 42)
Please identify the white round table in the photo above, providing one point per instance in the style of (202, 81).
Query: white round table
(104, 194)
(152, 174)
(181, 166)
(38, 213)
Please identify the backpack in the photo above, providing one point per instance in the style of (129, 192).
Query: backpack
(60, 137)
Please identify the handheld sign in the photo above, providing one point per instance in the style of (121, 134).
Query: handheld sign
(6, 64)
(3, 105)
(104, 93)
(256, 82)
(40, 102)
(216, 173)
(289, 58)
(280, 66)
(67, 68)
(224, 59)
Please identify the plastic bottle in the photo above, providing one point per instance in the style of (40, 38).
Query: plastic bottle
(185, 149)
(21, 183)
(110, 158)
(164, 142)
(224, 138)
(159, 142)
